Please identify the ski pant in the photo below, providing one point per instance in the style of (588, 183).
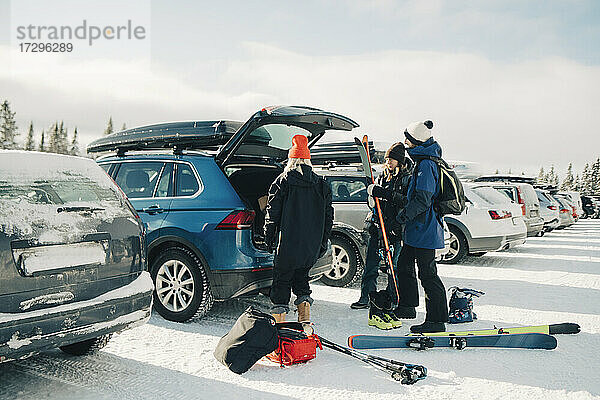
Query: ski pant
(436, 304)
(285, 280)
(368, 283)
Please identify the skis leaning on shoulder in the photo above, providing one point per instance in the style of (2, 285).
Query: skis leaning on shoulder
(363, 148)
(513, 340)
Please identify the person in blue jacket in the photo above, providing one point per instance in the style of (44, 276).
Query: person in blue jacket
(423, 233)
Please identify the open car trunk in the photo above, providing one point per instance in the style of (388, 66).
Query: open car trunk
(252, 183)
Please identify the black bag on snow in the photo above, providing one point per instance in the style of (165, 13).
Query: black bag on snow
(460, 308)
(253, 336)
(451, 199)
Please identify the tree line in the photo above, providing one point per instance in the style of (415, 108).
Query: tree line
(588, 183)
(53, 140)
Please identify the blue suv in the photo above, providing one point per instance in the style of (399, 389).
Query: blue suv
(200, 189)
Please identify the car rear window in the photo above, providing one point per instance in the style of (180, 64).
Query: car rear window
(40, 194)
(491, 195)
(276, 135)
(507, 191)
(53, 180)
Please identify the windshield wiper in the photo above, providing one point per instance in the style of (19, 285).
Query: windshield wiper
(78, 209)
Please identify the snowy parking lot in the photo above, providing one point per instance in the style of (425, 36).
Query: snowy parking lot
(552, 279)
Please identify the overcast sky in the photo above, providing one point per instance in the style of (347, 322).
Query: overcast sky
(509, 84)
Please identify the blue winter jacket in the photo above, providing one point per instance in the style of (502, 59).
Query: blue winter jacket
(423, 225)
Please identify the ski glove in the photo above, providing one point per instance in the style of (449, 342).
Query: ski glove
(371, 201)
(379, 191)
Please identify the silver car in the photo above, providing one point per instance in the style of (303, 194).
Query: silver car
(549, 210)
(348, 239)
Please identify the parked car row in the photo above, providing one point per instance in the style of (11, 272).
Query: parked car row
(173, 215)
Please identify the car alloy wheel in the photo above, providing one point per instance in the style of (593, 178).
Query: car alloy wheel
(174, 285)
(346, 266)
(340, 263)
(458, 247)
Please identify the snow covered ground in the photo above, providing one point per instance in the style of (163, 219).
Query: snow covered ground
(551, 279)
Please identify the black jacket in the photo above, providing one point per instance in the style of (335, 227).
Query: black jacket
(398, 187)
(299, 217)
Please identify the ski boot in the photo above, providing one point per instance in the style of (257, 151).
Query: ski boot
(377, 319)
(428, 327)
(391, 317)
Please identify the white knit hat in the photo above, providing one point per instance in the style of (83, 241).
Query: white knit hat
(419, 132)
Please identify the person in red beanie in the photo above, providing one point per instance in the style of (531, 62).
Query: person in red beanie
(298, 222)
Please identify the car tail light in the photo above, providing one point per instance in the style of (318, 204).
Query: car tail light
(552, 207)
(520, 200)
(564, 210)
(237, 220)
(499, 215)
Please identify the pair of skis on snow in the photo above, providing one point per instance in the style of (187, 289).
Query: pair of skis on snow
(527, 337)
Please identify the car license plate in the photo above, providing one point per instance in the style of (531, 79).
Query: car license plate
(47, 258)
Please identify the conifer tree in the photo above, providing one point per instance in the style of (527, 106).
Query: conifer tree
(42, 147)
(53, 143)
(595, 177)
(541, 178)
(8, 127)
(63, 140)
(551, 177)
(568, 183)
(30, 143)
(124, 127)
(109, 127)
(586, 180)
(74, 149)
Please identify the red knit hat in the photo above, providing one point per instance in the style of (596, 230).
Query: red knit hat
(299, 148)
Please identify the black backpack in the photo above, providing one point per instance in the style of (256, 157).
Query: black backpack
(253, 336)
(451, 198)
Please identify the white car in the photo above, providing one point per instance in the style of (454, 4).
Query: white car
(490, 222)
(549, 210)
(575, 198)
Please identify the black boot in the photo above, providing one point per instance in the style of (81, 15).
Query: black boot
(405, 312)
(428, 327)
(358, 305)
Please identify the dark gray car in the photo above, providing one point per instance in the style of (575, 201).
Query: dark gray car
(72, 256)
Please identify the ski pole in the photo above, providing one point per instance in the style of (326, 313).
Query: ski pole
(406, 374)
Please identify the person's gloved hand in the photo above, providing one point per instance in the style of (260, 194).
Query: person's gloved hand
(379, 192)
(371, 201)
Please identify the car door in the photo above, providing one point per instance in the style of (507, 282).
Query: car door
(149, 186)
(349, 197)
(268, 132)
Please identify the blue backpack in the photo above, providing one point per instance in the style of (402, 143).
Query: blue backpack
(461, 305)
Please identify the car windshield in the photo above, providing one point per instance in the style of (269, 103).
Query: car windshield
(491, 195)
